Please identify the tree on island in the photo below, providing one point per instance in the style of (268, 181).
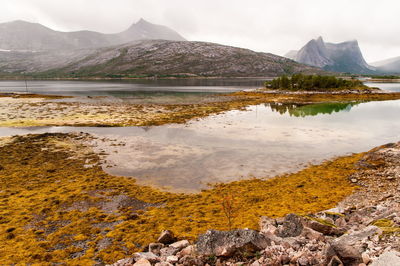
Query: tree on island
(312, 82)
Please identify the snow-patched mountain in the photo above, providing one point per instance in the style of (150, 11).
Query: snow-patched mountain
(26, 36)
(339, 57)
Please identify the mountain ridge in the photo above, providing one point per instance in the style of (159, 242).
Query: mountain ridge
(28, 36)
(152, 58)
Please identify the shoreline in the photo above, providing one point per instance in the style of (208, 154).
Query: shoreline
(98, 112)
(49, 209)
(128, 78)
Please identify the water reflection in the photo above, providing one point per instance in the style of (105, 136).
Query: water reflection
(303, 110)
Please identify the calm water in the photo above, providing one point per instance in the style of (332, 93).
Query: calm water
(263, 141)
(132, 88)
(385, 86)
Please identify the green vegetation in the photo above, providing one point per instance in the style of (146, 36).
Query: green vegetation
(312, 83)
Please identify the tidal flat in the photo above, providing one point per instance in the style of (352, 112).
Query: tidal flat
(60, 204)
(101, 111)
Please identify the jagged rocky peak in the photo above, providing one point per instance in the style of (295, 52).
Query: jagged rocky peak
(340, 57)
(314, 53)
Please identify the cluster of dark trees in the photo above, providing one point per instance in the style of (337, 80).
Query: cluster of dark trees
(311, 82)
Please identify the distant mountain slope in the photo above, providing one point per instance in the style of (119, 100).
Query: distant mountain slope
(340, 57)
(291, 54)
(154, 57)
(391, 65)
(26, 36)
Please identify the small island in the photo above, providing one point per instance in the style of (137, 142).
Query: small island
(300, 82)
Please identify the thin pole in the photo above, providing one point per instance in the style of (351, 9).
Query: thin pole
(26, 83)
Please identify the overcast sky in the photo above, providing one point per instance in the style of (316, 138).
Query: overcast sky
(274, 26)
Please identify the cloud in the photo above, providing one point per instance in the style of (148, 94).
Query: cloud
(262, 25)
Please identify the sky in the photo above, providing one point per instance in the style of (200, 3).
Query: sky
(274, 26)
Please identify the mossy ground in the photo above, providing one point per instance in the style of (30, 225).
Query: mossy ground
(387, 226)
(54, 197)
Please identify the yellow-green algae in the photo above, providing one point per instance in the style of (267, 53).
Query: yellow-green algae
(387, 226)
(42, 176)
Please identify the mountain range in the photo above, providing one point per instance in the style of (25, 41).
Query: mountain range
(149, 49)
(152, 57)
(145, 49)
(25, 36)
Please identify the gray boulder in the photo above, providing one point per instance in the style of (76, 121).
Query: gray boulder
(349, 248)
(391, 258)
(221, 243)
(292, 226)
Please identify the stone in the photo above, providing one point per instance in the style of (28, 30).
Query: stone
(340, 222)
(166, 237)
(222, 243)
(347, 254)
(190, 261)
(168, 251)
(267, 225)
(335, 261)
(292, 226)
(163, 263)
(189, 250)
(366, 259)
(172, 259)
(142, 262)
(391, 258)
(324, 228)
(146, 255)
(303, 261)
(124, 262)
(155, 248)
(312, 234)
(180, 244)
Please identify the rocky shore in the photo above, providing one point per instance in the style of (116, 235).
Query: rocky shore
(364, 229)
(58, 206)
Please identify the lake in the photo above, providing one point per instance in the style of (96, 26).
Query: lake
(263, 141)
(124, 88)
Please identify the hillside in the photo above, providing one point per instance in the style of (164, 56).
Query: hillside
(391, 65)
(25, 36)
(338, 57)
(158, 57)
